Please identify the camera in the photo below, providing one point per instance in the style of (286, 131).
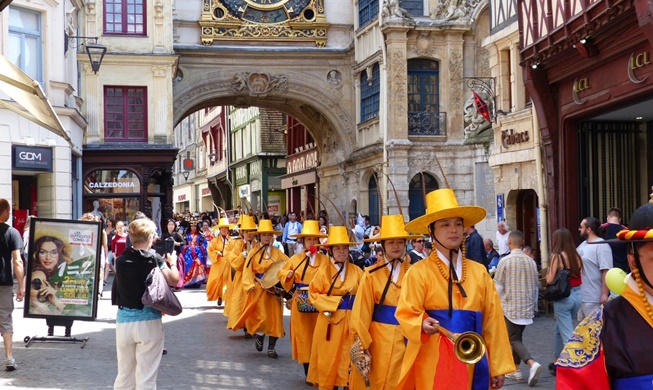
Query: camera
(169, 245)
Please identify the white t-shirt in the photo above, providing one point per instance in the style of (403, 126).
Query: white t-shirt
(502, 242)
(596, 257)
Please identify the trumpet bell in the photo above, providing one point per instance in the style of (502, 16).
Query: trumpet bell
(469, 347)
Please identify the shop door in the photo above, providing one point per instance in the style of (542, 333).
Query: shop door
(527, 218)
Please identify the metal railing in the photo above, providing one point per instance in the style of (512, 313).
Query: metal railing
(427, 123)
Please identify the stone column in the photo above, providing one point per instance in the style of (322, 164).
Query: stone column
(94, 97)
(398, 174)
(397, 77)
(160, 96)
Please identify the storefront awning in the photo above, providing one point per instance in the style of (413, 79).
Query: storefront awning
(29, 95)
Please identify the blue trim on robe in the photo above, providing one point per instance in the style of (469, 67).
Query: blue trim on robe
(635, 383)
(260, 276)
(384, 314)
(301, 285)
(347, 302)
(465, 321)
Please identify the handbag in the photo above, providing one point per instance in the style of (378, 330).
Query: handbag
(303, 306)
(159, 295)
(560, 288)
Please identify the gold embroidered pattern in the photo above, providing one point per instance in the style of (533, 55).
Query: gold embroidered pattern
(584, 344)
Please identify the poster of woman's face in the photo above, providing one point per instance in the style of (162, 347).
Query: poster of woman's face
(62, 269)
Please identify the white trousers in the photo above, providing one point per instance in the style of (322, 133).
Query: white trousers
(139, 345)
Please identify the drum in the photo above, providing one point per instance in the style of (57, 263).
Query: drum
(270, 278)
(303, 306)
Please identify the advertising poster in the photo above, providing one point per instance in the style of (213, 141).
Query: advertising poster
(63, 269)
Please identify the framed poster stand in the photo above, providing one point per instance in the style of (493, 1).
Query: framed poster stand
(66, 338)
(63, 269)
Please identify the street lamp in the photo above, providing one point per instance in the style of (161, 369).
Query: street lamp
(94, 50)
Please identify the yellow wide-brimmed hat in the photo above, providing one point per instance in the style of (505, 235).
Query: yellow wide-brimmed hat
(247, 223)
(392, 228)
(442, 204)
(223, 222)
(61, 236)
(265, 226)
(338, 235)
(310, 229)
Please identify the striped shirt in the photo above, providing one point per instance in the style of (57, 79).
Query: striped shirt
(517, 283)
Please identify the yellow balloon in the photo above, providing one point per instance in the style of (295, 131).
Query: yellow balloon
(615, 279)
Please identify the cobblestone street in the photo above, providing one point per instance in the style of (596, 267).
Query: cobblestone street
(202, 354)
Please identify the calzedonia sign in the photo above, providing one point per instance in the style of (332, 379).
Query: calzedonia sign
(32, 158)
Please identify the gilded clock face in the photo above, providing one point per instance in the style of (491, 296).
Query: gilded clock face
(266, 11)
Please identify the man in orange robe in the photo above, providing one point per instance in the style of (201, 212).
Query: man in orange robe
(219, 265)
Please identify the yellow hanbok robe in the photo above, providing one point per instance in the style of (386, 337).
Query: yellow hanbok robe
(219, 265)
(262, 311)
(378, 328)
(429, 360)
(332, 340)
(302, 325)
(238, 294)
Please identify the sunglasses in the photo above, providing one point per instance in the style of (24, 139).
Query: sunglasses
(420, 241)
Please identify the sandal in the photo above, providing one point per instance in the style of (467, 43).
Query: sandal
(259, 343)
(272, 354)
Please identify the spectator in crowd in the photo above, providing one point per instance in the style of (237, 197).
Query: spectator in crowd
(517, 283)
(417, 253)
(292, 228)
(474, 249)
(530, 252)
(491, 254)
(502, 238)
(564, 256)
(619, 249)
(597, 261)
(428, 248)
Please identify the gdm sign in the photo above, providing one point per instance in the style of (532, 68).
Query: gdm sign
(32, 158)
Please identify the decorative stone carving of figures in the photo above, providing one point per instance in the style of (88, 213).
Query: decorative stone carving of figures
(447, 10)
(392, 10)
(334, 77)
(478, 130)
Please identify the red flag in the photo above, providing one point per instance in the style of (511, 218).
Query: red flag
(482, 107)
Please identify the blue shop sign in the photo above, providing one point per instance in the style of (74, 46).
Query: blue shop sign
(32, 158)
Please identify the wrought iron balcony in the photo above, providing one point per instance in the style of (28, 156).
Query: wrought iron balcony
(427, 123)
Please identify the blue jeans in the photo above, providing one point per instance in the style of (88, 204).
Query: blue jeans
(566, 311)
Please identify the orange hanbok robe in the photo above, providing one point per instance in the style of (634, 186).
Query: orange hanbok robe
(262, 311)
(378, 328)
(332, 340)
(302, 325)
(238, 294)
(215, 285)
(429, 361)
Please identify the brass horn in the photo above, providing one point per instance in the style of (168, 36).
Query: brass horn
(469, 347)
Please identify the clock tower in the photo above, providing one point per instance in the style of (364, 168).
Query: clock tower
(267, 20)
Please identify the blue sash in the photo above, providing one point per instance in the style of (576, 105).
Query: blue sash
(465, 321)
(635, 383)
(260, 276)
(347, 302)
(385, 314)
(301, 285)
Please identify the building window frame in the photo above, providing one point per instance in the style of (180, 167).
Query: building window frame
(370, 93)
(413, 7)
(128, 117)
(423, 86)
(132, 15)
(24, 35)
(368, 10)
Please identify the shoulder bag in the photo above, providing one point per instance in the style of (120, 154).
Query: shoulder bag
(159, 295)
(560, 288)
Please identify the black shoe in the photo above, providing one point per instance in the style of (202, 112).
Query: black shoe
(272, 354)
(248, 336)
(259, 342)
(552, 369)
(219, 301)
(165, 352)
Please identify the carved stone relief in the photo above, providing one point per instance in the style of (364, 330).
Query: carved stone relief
(392, 11)
(258, 84)
(398, 77)
(424, 44)
(456, 78)
(453, 10)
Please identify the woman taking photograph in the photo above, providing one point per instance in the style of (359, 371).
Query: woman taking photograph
(110, 230)
(51, 252)
(139, 329)
(564, 256)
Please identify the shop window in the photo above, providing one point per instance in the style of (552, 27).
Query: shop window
(125, 113)
(424, 116)
(417, 188)
(126, 17)
(368, 10)
(370, 93)
(25, 44)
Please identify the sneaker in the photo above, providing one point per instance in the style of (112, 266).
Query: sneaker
(10, 364)
(515, 375)
(534, 373)
(552, 369)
